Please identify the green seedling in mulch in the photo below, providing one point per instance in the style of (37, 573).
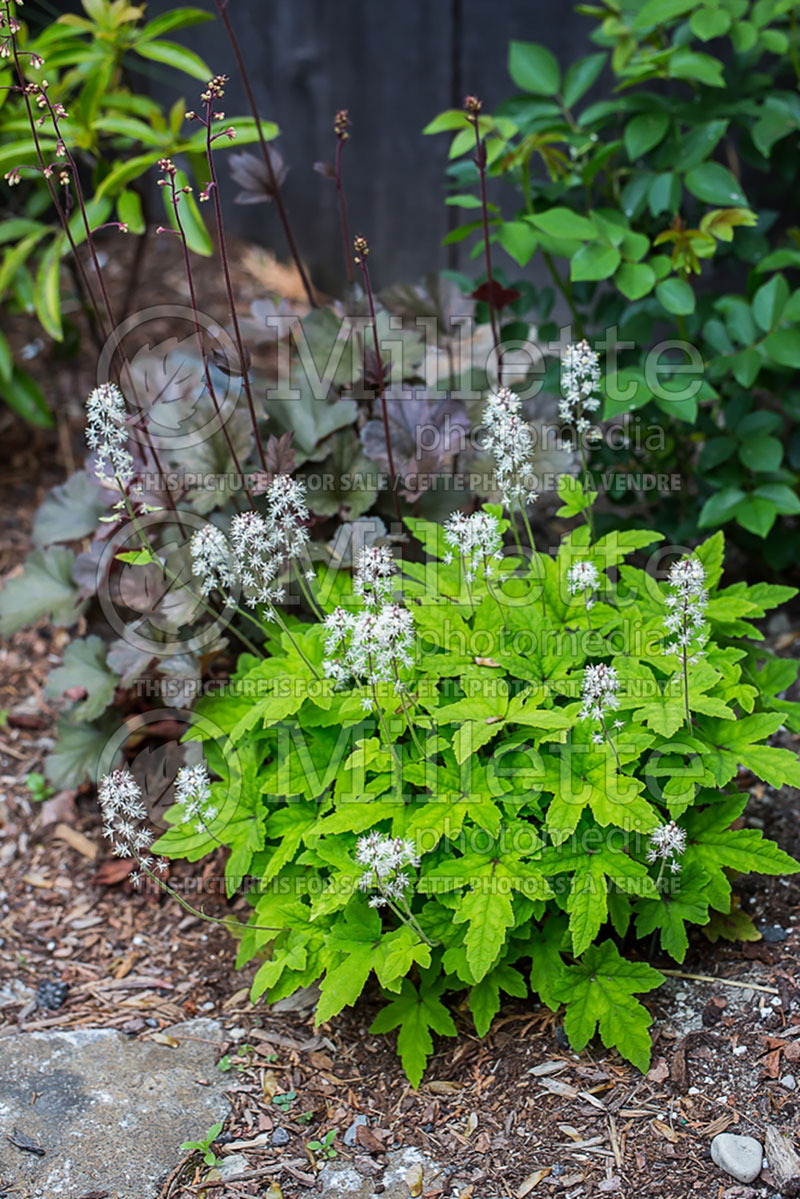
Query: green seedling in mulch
(204, 1146)
(285, 1100)
(38, 786)
(324, 1148)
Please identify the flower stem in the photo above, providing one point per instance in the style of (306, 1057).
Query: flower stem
(362, 250)
(340, 125)
(187, 262)
(473, 107)
(534, 554)
(276, 191)
(223, 257)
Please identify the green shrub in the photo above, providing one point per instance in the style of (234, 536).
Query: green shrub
(672, 145)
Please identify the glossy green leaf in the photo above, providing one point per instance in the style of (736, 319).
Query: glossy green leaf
(676, 296)
(715, 184)
(594, 261)
(533, 68)
(645, 131)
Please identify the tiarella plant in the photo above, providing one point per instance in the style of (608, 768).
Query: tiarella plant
(446, 761)
(636, 204)
(484, 768)
(322, 390)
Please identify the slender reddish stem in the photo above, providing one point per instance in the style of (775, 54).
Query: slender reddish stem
(340, 195)
(381, 386)
(112, 324)
(203, 356)
(480, 162)
(223, 255)
(251, 100)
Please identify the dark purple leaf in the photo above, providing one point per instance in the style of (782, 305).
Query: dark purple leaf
(253, 176)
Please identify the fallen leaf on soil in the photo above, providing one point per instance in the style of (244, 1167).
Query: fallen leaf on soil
(274, 1191)
(666, 1131)
(550, 1067)
(440, 1086)
(76, 841)
(60, 806)
(530, 1182)
(125, 966)
(164, 1038)
(659, 1072)
(367, 1139)
(719, 1125)
(414, 1179)
(771, 1064)
(559, 1088)
(115, 870)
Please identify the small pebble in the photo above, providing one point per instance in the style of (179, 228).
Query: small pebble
(280, 1137)
(789, 1082)
(349, 1137)
(51, 993)
(739, 1050)
(773, 933)
(740, 1157)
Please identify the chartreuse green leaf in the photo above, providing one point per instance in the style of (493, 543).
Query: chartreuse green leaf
(484, 997)
(592, 871)
(599, 996)
(355, 948)
(683, 900)
(417, 1013)
(715, 847)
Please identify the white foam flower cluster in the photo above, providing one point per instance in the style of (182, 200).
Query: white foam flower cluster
(510, 442)
(258, 562)
(264, 544)
(124, 814)
(213, 562)
(686, 609)
(373, 644)
(288, 514)
(477, 540)
(107, 433)
(385, 860)
(192, 794)
(371, 647)
(580, 378)
(667, 843)
(583, 576)
(599, 691)
(373, 578)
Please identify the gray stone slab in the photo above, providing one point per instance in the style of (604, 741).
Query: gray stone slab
(110, 1112)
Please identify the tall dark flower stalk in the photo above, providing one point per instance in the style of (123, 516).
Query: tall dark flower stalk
(215, 91)
(361, 249)
(473, 107)
(341, 126)
(55, 113)
(167, 168)
(222, 9)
